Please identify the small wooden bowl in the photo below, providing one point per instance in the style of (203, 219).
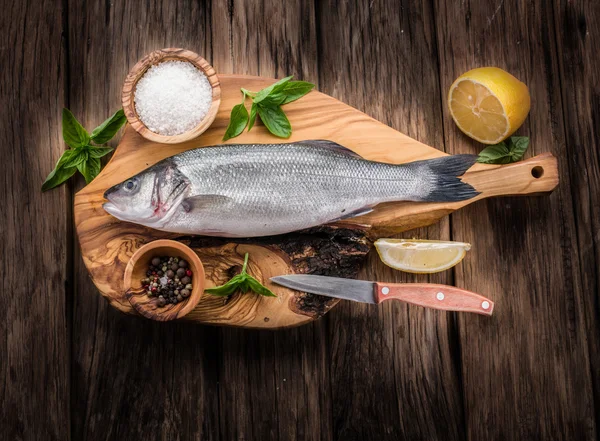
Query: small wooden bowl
(136, 270)
(156, 57)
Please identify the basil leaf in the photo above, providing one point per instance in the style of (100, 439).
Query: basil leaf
(60, 173)
(109, 128)
(89, 169)
(66, 157)
(275, 121)
(243, 282)
(495, 154)
(253, 111)
(245, 265)
(295, 90)
(519, 145)
(275, 87)
(511, 150)
(237, 121)
(57, 177)
(248, 92)
(73, 133)
(258, 288)
(243, 286)
(98, 152)
(273, 100)
(78, 156)
(228, 289)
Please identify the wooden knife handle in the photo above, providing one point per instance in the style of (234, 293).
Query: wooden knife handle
(447, 298)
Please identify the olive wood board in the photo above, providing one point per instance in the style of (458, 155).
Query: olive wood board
(338, 249)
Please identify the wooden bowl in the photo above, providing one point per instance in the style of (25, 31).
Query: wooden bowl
(156, 57)
(136, 270)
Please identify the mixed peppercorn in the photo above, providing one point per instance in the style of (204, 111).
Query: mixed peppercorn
(169, 279)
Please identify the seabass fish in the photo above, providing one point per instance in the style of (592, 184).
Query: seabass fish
(249, 190)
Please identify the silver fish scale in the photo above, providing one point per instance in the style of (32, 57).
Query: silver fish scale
(266, 189)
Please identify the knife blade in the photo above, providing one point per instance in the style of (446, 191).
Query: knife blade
(428, 295)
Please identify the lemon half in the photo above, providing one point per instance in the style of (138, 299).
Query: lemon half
(488, 104)
(421, 256)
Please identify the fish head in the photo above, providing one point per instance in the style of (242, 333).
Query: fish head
(149, 198)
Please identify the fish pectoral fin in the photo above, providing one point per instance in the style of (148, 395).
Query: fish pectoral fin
(334, 146)
(204, 202)
(359, 212)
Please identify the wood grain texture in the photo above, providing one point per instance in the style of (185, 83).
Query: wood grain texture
(35, 285)
(524, 254)
(107, 244)
(393, 373)
(134, 379)
(580, 84)
(276, 385)
(395, 367)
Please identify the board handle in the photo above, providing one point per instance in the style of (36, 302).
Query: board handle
(429, 295)
(535, 175)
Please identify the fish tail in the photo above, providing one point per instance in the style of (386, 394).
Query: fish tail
(443, 178)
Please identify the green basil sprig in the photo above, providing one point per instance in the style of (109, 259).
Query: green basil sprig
(83, 155)
(237, 120)
(267, 103)
(509, 150)
(243, 282)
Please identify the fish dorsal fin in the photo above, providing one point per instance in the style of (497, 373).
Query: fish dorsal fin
(330, 145)
(204, 202)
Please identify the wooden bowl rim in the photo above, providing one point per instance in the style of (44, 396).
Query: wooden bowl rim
(154, 58)
(198, 281)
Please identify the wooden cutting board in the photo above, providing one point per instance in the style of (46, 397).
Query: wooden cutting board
(337, 250)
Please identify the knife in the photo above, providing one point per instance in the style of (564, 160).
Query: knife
(429, 295)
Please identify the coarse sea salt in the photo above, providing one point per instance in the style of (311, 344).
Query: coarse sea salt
(172, 97)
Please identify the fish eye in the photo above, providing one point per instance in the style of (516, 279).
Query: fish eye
(130, 185)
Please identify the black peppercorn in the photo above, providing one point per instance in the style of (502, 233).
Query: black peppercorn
(178, 284)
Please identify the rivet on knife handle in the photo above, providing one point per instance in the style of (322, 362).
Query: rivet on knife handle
(447, 298)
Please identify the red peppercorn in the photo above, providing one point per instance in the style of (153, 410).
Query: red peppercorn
(188, 273)
(153, 289)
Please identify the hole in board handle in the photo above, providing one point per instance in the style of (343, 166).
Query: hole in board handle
(537, 172)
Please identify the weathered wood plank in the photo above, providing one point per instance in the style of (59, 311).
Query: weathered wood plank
(133, 379)
(273, 385)
(578, 47)
(527, 371)
(35, 228)
(395, 374)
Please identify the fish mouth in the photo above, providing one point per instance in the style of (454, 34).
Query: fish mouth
(112, 209)
(125, 214)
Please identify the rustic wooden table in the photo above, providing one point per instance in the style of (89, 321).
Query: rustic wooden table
(73, 368)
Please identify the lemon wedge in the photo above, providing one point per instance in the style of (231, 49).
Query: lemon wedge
(488, 104)
(421, 256)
